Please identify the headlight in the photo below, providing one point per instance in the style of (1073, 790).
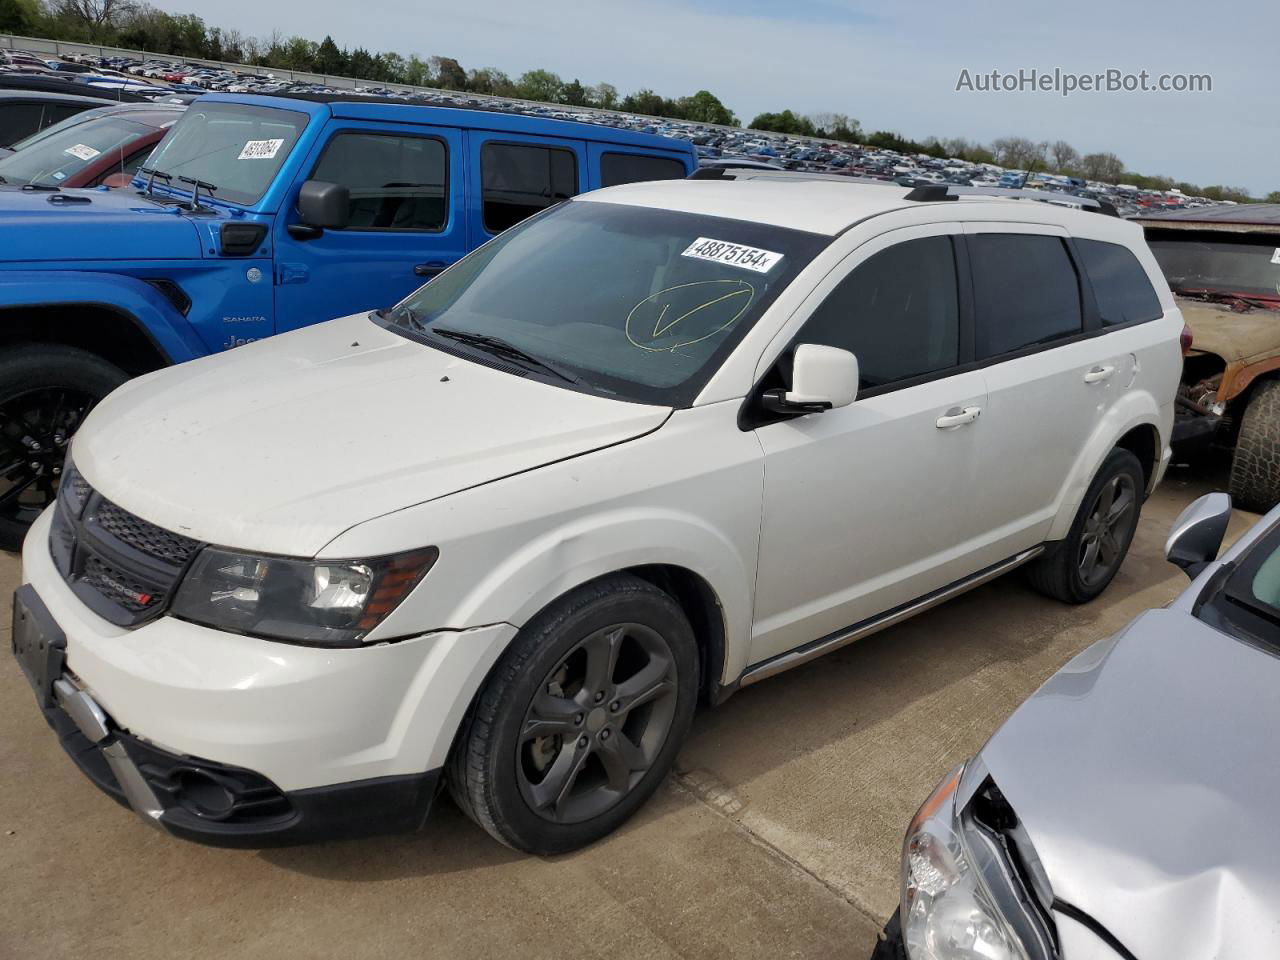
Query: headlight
(947, 913)
(333, 603)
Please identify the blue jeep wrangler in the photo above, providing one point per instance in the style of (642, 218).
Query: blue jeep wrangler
(256, 215)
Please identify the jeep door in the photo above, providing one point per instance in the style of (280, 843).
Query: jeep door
(871, 505)
(406, 221)
(1050, 376)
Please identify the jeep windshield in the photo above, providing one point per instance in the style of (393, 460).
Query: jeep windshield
(52, 155)
(1217, 268)
(623, 301)
(236, 148)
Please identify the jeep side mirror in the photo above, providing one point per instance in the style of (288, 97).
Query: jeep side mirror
(1197, 534)
(822, 378)
(323, 206)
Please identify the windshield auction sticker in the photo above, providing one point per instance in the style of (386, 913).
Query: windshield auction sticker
(734, 254)
(260, 149)
(81, 152)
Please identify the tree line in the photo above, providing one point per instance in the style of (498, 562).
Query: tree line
(139, 26)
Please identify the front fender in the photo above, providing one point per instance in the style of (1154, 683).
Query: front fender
(1135, 409)
(154, 315)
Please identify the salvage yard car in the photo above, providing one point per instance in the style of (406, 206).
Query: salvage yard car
(655, 444)
(1124, 810)
(1223, 264)
(258, 215)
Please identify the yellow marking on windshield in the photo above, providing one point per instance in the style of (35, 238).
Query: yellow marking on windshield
(742, 289)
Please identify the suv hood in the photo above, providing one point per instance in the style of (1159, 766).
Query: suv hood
(91, 225)
(1235, 337)
(282, 445)
(1145, 773)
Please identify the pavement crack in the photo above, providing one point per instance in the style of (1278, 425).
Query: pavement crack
(708, 791)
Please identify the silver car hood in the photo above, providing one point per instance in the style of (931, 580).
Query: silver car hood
(1147, 772)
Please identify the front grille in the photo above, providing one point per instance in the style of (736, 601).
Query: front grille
(124, 568)
(143, 535)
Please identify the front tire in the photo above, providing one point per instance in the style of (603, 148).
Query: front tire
(1078, 568)
(1255, 469)
(581, 718)
(46, 391)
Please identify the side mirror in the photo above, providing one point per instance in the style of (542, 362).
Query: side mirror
(1197, 534)
(324, 205)
(822, 378)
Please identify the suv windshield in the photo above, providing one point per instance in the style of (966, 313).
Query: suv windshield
(54, 154)
(626, 301)
(1213, 266)
(234, 147)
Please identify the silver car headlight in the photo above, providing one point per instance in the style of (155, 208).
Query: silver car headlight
(948, 912)
(332, 603)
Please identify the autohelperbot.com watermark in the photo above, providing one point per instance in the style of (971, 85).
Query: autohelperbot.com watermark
(1066, 82)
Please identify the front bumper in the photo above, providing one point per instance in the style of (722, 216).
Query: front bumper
(329, 731)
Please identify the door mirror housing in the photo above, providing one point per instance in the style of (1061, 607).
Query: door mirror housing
(324, 205)
(1197, 534)
(822, 378)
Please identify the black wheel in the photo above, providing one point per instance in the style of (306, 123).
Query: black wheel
(1079, 567)
(1255, 469)
(45, 393)
(581, 718)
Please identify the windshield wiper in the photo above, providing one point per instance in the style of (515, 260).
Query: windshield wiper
(499, 347)
(152, 173)
(195, 190)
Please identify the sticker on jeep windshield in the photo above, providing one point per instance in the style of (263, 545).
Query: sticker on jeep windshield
(81, 152)
(734, 254)
(260, 149)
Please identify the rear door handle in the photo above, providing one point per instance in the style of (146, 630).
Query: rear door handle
(958, 417)
(430, 268)
(1098, 374)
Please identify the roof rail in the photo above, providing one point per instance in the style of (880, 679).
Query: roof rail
(939, 192)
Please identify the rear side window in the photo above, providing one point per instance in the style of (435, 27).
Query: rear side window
(619, 168)
(1026, 290)
(1120, 285)
(518, 180)
(897, 312)
(396, 183)
(19, 120)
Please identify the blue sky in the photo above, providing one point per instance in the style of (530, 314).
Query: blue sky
(891, 66)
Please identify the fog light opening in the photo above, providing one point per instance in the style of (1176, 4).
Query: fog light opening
(201, 794)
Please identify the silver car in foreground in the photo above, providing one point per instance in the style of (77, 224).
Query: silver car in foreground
(1129, 808)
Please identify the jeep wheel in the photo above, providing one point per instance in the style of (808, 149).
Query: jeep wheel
(581, 718)
(45, 394)
(1255, 470)
(1079, 567)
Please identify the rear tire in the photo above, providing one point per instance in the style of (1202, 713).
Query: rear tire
(560, 748)
(1065, 571)
(46, 390)
(1255, 469)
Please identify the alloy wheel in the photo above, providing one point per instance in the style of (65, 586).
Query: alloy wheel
(597, 723)
(35, 428)
(1107, 529)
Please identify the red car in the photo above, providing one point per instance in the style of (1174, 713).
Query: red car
(104, 145)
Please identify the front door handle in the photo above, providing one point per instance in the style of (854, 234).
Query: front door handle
(430, 268)
(1098, 374)
(958, 417)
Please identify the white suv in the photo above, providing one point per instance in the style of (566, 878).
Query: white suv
(655, 444)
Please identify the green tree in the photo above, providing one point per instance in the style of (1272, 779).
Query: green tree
(574, 94)
(705, 107)
(329, 59)
(361, 64)
(15, 17)
(1272, 197)
(447, 73)
(646, 102)
(785, 122)
(541, 85)
(604, 95)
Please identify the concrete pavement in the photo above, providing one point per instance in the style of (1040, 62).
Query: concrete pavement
(778, 836)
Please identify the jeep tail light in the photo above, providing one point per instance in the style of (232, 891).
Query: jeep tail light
(1186, 339)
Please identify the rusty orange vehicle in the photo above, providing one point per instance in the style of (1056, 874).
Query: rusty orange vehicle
(1223, 265)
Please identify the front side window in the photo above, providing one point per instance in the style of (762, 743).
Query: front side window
(518, 180)
(619, 168)
(237, 148)
(60, 151)
(396, 183)
(1026, 291)
(897, 312)
(1120, 285)
(627, 302)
